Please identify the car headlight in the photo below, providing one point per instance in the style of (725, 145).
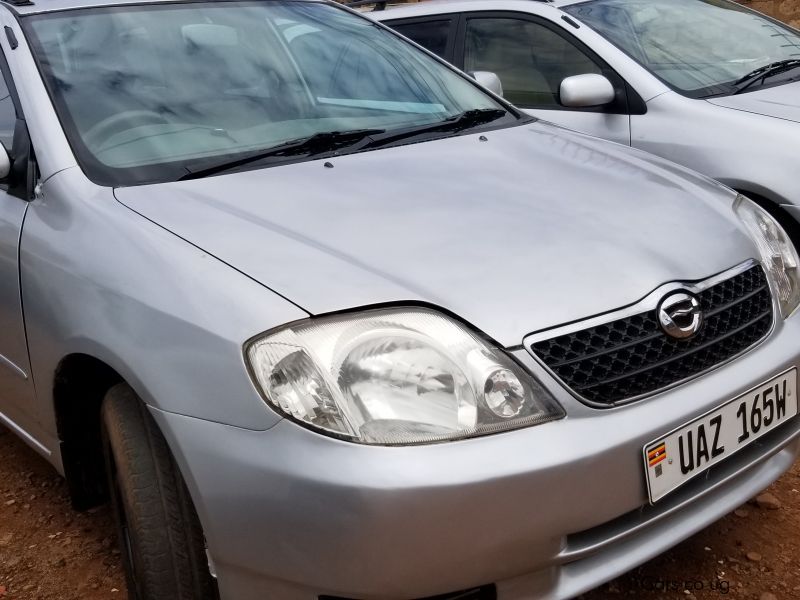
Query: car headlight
(778, 254)
(395, 376)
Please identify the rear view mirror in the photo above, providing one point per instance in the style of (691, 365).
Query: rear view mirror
(5, 163)
(583, 91)
(488, 80)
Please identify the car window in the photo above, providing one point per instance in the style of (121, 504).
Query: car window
(699, 47)
(428, 34)
(8, 115)
(347, 71)
(530, 59)
(151, 92)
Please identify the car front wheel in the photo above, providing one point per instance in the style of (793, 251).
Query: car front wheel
(161, 539)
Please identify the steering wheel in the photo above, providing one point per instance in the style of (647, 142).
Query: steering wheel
(103, 130)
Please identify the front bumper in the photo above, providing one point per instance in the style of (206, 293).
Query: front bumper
(545, 512)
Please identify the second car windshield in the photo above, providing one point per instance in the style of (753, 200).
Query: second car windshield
(699, 47)
(146, 93)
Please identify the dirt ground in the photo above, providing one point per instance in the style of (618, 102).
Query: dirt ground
(47, 550)
(50, 552)
(786, 10)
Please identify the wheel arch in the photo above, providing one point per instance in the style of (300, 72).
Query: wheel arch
(80, 383)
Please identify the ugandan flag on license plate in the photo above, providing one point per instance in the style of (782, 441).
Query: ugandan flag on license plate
(656, 454)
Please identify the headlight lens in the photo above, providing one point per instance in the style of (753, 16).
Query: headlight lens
(778, 254)
(406, 376)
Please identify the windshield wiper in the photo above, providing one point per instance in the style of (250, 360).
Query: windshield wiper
(319, 143)
(332, 141)
(760, 74)
(459, 122)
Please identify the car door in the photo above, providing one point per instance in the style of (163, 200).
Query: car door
(16, 387)
(532, 56)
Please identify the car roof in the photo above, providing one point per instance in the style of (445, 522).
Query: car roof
(24, 7)
(27, 7)
(432, 7)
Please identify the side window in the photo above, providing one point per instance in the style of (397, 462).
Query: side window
(530, 59)
(8, 116)
(432, 35)
(18, 181)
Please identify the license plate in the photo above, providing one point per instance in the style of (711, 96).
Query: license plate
(674, 459)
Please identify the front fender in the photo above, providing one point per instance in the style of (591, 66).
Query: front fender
(101, 280)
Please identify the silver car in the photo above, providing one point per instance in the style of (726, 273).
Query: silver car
(325, 319)
(706, 83)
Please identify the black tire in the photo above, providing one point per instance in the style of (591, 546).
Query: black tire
(160, 536)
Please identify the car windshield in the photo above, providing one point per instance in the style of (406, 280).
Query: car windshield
(698, 47)
(150, 93)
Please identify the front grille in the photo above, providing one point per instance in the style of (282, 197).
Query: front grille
(617, 361)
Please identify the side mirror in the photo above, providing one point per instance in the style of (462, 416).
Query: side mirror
(5, 163)
(582, 91)
(488, 80)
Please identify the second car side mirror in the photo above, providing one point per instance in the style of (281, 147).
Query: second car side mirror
(5, 163)
(488, 80)
(583, 91)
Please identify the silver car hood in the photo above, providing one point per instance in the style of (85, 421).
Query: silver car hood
(781, 102)
(533, 228)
